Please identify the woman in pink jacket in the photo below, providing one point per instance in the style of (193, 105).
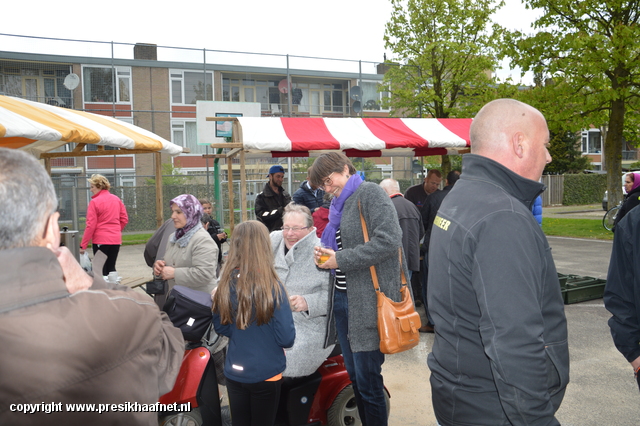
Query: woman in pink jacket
(106, 218)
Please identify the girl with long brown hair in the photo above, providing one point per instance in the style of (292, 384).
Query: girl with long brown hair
(251, 307)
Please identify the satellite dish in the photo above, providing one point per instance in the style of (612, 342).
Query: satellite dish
(284, 86)
(71, 81)
(357, 107)
(356, 93)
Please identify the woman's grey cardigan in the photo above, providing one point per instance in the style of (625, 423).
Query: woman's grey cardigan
(301, 277)
(355, 258)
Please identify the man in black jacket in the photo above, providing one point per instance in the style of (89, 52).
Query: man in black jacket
(271, 201)
(500, 354)
(622, 292)
(428, 212)
(410, 223)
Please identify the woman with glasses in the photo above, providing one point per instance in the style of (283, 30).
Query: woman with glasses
(353, 296)
(308, 288)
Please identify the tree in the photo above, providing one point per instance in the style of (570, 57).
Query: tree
(567, 158)
(443, 54)
(171, 176)
(588, 50)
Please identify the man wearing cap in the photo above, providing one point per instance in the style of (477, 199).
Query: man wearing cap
(271, 201)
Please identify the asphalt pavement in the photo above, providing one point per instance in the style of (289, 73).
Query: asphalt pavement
(602, 390)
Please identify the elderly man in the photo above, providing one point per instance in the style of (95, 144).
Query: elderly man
(410, 223)
(271, 201)
(417, 194)
(66, 337)
(500, 354)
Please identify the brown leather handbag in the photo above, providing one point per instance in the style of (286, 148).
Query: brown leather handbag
(398, 322)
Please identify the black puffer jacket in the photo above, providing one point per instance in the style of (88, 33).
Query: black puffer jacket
(270, 207)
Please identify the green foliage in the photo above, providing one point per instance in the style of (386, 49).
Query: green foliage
(585, 58)
(567, 158)
(171, 176)
(441, 52)
(584, 188)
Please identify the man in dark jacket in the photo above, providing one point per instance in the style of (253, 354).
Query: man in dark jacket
(500, 354)
(271, 201)
(308, 196)
(429, 210)
(410, 223)
(67, 337)
(622, 292)
(417, 194)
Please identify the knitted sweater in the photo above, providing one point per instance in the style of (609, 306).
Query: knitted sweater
(355, 258)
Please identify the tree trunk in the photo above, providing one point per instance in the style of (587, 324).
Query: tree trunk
(446, 166)
(613, 152)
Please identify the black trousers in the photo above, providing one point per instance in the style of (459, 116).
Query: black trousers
(253, 404)
(111, 250)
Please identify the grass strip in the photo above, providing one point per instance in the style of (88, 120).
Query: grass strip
(576, 228)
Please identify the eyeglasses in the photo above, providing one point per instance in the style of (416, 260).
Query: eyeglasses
(296, 229)
(327, 182)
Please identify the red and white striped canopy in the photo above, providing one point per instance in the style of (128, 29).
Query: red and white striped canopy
(358, 137)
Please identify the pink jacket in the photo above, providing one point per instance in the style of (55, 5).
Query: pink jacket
(106, 218)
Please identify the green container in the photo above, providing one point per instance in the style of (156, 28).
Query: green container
(580, 289)
(563, 280)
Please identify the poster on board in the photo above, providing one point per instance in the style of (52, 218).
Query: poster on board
(217, 131)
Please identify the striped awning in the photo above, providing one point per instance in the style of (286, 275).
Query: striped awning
(358, 137)
(39, 128)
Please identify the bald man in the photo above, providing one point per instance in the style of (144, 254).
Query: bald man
(500, 355)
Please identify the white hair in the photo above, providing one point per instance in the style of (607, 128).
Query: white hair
(28, 199)
(390, 186)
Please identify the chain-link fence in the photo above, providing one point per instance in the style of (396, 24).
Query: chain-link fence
(140, 201)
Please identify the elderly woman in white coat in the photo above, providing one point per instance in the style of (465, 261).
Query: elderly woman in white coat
(191, 257)
(308, 288)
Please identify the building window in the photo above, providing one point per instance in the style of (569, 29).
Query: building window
(372, 96)
(591, 141)
(106, 84)
(187, 87)
(185, 133)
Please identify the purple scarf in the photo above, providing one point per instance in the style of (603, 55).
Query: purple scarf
(191, 208)
(335, 212)
(636, 181)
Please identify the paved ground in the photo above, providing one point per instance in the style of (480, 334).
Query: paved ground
(602, 389)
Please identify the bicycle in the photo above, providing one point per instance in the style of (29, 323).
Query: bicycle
(610, 217)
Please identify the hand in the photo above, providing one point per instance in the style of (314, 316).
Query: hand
(81, 251)
(75, 278)
(213, 293)
(158, 266)
(168, 273)
(331, 263)
(298, 304)
(222, 236)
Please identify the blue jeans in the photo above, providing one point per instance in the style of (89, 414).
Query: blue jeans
(364, 368)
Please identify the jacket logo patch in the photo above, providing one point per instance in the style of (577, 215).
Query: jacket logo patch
(441, 223)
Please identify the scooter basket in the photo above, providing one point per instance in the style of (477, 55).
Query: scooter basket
(189, 310)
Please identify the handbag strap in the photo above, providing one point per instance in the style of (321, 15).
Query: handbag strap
(374, 274)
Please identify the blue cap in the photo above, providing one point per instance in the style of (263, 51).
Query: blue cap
(276, 169)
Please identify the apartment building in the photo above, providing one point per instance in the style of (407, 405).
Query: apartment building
(160, 95)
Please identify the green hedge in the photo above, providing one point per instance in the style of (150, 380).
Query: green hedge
(584, 188)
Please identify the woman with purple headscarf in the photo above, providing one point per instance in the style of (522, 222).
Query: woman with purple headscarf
(632, 199)
(191, 257)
